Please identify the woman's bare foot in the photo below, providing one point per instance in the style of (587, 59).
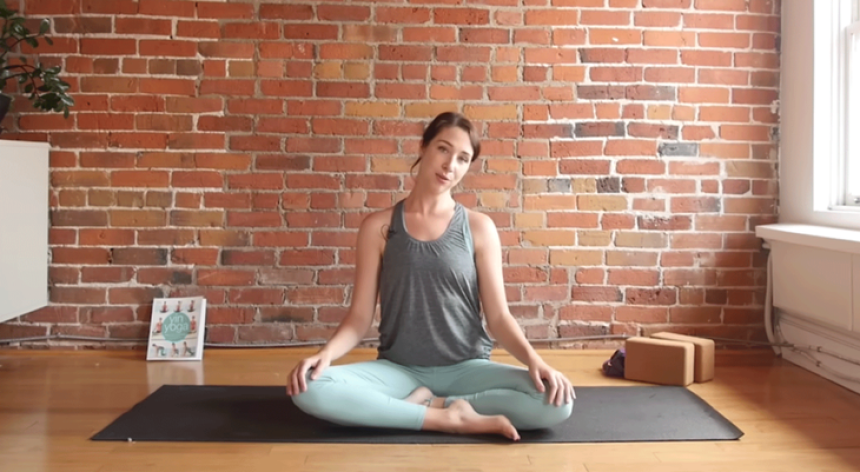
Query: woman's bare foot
(419, 396)
(461, 418)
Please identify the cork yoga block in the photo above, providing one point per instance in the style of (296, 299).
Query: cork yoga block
(659, 361)
(703, 363)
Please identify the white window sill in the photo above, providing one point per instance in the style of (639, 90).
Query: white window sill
(847, 209)
(836, 239)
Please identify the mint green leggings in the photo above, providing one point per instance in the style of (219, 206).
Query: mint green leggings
(371, 394)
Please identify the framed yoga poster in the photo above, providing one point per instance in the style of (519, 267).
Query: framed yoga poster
(176, 330)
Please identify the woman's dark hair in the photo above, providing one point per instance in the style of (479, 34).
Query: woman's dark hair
(450, 119)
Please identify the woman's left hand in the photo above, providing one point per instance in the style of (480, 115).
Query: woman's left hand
(560, 389)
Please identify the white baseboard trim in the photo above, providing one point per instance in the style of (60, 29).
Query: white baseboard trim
(804, 332)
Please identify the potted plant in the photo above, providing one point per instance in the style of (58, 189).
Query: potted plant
(43, 86)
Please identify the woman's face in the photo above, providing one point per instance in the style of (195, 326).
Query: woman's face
(446, 159)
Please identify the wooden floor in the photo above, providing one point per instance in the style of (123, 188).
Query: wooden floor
(51, 402)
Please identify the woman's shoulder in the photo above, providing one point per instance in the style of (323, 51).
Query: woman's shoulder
(377, 222)
(480, 223)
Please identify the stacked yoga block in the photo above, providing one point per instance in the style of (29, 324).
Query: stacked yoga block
(669, 359)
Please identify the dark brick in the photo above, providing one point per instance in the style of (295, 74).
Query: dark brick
(547, 131)
(159, 199)
(189, 68)
(83, 25)
(716, 296)
(559, 185)
(650, 92)
(600, 92)
(282, 162)
(678, 149)
(78, 218)
(599, 128)
(286, 314)
(138, 256)
(573, 331)
(608, 185)
(162, 66)
(180, 278)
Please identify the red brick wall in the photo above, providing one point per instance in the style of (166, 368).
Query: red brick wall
(231, 150)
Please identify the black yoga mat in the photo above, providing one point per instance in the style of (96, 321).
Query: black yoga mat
(266, 414)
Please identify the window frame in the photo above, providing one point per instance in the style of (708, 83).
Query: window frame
(850, 194)
(836, 106)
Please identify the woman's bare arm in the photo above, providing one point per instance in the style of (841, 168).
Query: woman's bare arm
(488, 256)
(360, 315)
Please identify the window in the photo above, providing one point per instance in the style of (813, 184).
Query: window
(836, 106)
(852, 114)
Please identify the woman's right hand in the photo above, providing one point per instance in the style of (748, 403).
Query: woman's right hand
(298, 380)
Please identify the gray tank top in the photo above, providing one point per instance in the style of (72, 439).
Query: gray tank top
(428, 295)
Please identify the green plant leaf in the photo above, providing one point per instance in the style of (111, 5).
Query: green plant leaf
(40, 83)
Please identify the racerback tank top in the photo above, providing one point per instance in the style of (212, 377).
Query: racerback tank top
(429, 299)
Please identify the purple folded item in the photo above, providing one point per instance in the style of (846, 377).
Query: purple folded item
(614, 367)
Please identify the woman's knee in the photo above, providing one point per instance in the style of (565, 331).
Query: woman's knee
(561, 413)
(544, 415)
(313, 400)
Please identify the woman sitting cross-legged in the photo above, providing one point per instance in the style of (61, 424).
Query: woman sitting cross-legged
(434, 266)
